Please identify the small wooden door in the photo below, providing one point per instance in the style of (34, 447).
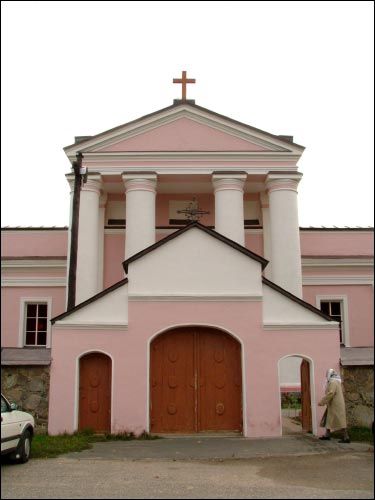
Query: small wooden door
(196, 382)
(95, 392)
(305, 397)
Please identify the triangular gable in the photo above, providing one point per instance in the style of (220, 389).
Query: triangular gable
(88, 304)
(288, 305)
(184, 127)
(184, 134)
(203, 228)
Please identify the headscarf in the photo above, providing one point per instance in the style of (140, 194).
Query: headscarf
(332, 375)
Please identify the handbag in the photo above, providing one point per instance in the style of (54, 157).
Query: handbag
(324, 419)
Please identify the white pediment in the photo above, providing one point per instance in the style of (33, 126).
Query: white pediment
(281, 311)
(195, 264)
(109, 310)
(184, 128)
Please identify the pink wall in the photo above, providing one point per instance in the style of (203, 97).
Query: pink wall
(34, 243)
(337, 243)
(360, 309)
(254, 242)
(114, 255)
(10, 308)
(130, 354)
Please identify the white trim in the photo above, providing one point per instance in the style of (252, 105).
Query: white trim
(195, 298)
(283, 326)
(336, 261)
(338, 280)
(34, 281)
(76, 389)
(166, 230)
(312, 390)
(205, 325)
(344, 313)
(119, 230)
(22, 319)
(90, 326)
(31, 263)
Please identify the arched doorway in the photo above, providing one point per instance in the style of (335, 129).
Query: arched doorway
(195, 381)
(295, 394)
(95, 392)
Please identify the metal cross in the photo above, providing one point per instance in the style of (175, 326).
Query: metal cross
(183, 80)
(192, 211)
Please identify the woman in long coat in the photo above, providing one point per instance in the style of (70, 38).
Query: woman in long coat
(334, 399)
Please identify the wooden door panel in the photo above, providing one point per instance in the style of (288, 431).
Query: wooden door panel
(173, 383)
(219, 398)
(95, 392)
(305, 397)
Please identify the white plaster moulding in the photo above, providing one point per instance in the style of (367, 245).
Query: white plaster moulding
(33, 282)
(90, 326)
(295, 326)
(194, 298)
(337, 280)
(188, 155)
(338, 262)
(14, 264)
(122, 230)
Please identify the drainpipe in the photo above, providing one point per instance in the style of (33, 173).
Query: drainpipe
(80, 177)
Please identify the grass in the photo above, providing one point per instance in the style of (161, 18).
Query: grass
(45, 446)
(357, 434)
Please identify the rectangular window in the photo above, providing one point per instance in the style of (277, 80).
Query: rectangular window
(36, 324)
(334, 309)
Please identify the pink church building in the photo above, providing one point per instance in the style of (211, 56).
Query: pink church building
(178, 325)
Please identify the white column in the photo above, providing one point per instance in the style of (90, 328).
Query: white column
(264, 203)
(140, 190)
(102, 205)
(285, 240)
(229, 212)
(88, 240)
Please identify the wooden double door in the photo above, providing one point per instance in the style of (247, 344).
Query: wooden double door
(195, 381)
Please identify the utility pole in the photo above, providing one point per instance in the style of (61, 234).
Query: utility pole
(80, 177)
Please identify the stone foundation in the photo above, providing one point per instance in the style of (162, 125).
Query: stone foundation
(358, 385)
(28, 387)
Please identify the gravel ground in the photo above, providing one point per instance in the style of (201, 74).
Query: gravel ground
(328, 475)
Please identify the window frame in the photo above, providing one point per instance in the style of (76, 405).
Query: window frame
(24, 301)
(343, 299)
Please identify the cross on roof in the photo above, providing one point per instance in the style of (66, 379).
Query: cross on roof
(183, 80)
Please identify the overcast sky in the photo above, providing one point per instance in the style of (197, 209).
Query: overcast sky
(294, 68)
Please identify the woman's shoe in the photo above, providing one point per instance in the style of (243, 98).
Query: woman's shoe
(325, 438)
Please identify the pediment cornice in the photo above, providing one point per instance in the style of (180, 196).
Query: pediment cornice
(272, 145)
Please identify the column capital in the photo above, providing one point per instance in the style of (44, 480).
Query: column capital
(282, 182)
(139, 181)
(229, 180)
(93, 183)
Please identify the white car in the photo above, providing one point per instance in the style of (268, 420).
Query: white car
(17, 430)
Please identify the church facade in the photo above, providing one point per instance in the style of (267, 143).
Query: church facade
(182, 325)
